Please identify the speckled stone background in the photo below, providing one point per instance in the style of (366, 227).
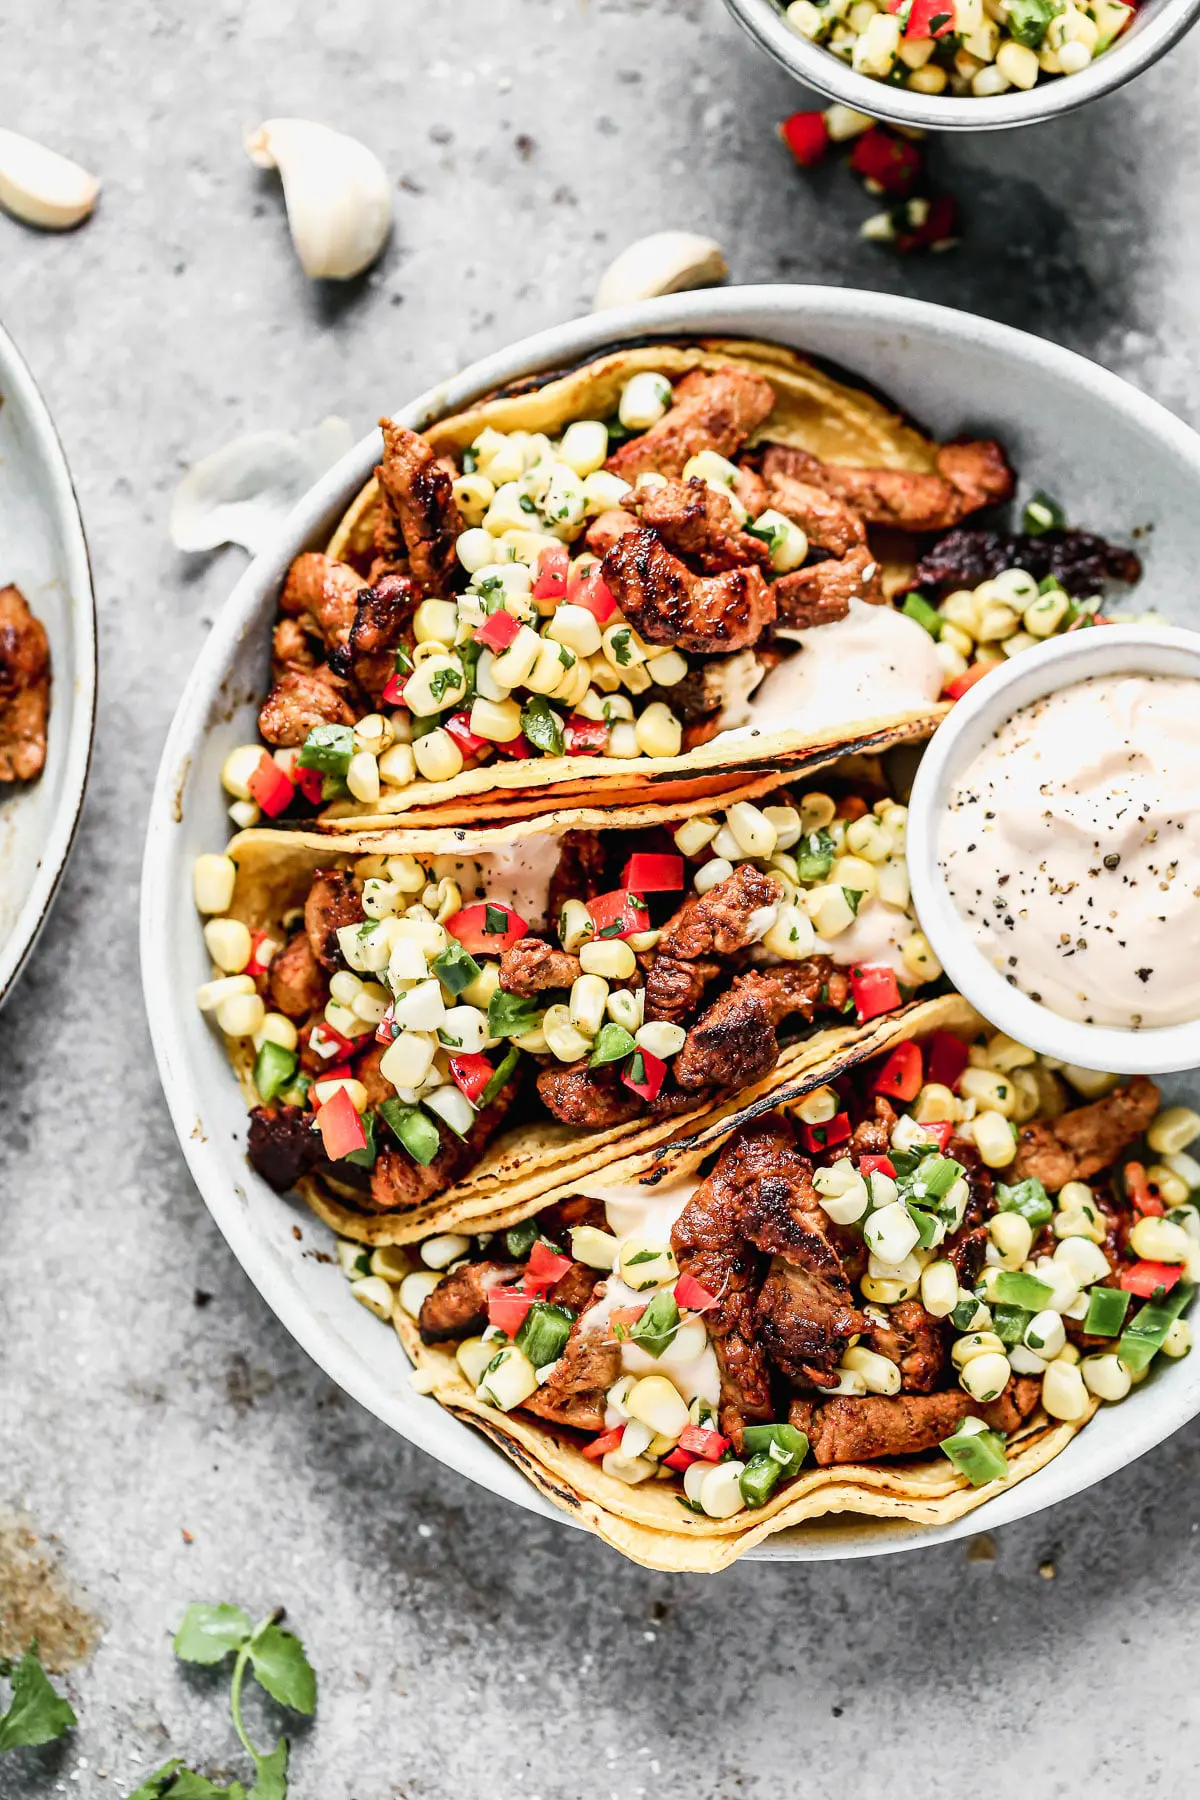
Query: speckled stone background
(145, 1391)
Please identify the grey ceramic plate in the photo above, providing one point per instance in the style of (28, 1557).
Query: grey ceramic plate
(42, 550)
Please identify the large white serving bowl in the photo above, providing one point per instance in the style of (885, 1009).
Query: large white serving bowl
(1070, 427)
(42, 551)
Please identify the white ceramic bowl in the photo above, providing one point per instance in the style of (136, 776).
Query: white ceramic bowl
(1157, 25)
(1071, 427)
(42, 550)
(1117, 650)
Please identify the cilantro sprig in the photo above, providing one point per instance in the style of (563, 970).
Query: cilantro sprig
(35, 1713)
(208, 1635)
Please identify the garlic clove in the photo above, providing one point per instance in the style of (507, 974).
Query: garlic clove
(666, 263)
(338, 197)
(42, 187)
(242, 493)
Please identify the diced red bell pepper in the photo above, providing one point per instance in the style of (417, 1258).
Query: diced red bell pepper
(518, 746)
(263, 951)
(940, 1130)
(679, 1460)
(270, 788)
(892, 162)
(962, 684)
(927, 18)
(311, 783)
(653, 874)
(655, 1073)
(876, 1165)
(851, 808)
(1142, 1196)
(947, 1057)
(327, 1043)
(709, 1446)
(806, 136)
(553, 567)
(824, 1137)
(1145, 1278)
(623, 1317)
(471, 1073)
(901, 1075)
(497, 631)
(691, 1297)
(545, 1266)
(458, 725)
(506, 1307)
(587, 587)
(387, 1030)
(620, 908)
(602, 1445)
(341, 1072)
(393, 693)
(585, 737)
(940, 222)
(340, 1126)
(875, 990)
(470, 926)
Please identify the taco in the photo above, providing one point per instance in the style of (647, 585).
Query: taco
(675, 564)
(906, 1281)
(432, 1025)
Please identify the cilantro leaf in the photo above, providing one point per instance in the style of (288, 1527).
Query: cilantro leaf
(270, 1772)
(207, 1634)
(280, 1665)
(190, 1786)
(36, 1714)
(158, 1784)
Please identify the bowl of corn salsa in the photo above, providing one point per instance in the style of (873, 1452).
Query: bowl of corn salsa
(964, 65)
(1076, 428)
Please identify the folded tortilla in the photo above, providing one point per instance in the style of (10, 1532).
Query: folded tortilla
(814, 411)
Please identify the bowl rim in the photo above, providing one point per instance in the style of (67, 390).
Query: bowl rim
(1150, 37)
(79, 704)
(1057, 664)
(729, 312)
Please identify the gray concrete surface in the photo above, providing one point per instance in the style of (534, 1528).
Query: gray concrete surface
(463, 1649)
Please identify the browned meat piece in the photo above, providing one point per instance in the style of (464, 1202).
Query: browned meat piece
(420, 491)
(606, 528)
(296, 981)
(821, 592)
(398, 1183)
(723, 920)
(1080, 1144)
(1078, 560)
(24, 689)
(282, 1145)
(979, 1180)
(577, 1095)
(971, 475)
(712, 684)
(531, 965)
(575, 1393)
(457, 1307)
(968, 1251)
(300, 699)
(1015, 1403)
(291, 648)
(873, 1136)
(366, 1070)
(711, 409)
(674, 989)
(667, 604)
(580, 871)
(828, 523)
(557, 1220)
(696, 520)
(734, 1043)
(751, 490)
(710, 1245)
(914, 1340)
(333, 901)
(383, 617)
(805, 1309)
(324, 589)
(848, 1430)
(576, 1288)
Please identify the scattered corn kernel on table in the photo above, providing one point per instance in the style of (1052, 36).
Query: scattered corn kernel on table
(156, 1422)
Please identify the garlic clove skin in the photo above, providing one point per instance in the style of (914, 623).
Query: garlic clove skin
(666, 263)
(41, 187)
(338, 197)
(243, 492)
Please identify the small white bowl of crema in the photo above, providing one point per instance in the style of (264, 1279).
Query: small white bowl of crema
(1054, 848)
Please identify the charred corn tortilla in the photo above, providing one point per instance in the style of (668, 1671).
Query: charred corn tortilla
(523, 1166)
(648, 1522)
(814, 411)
